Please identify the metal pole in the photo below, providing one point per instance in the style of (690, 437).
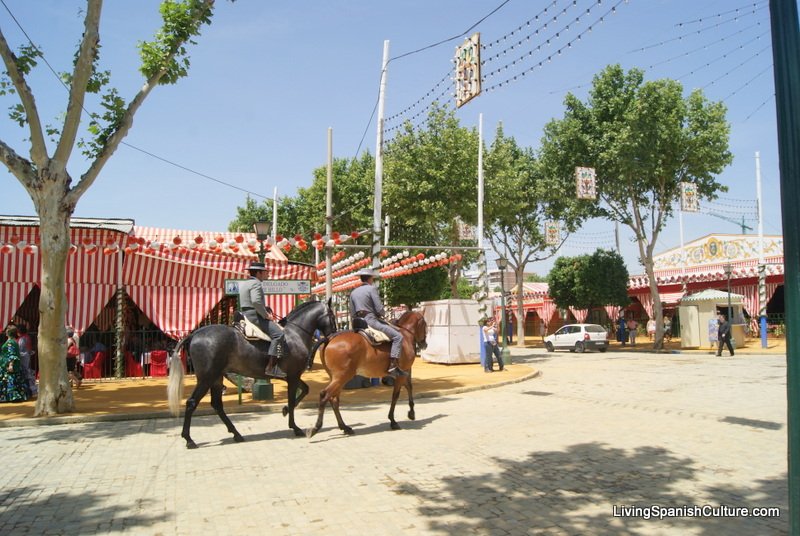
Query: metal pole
(762, 269)
(274, 216)
(329, 219)
(504, 351)
(483, 293)
(785, 52)
(683, 251)
(376, 217)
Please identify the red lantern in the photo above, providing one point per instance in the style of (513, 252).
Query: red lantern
(198, 239)
(354, 235)
(110, 240)
(177, 240)
(420, 256)
(278, 238)
(14, 239)
(86, 241)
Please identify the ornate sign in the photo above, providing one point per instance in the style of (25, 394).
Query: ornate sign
(468, 70)
(552, 233)
(585, 183)
(689, 200)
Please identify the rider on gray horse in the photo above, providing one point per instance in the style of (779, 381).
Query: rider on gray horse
(253, 306)
(365, 302)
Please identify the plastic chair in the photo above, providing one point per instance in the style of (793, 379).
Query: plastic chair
(158, 363)
(133, 368)
(95, 368)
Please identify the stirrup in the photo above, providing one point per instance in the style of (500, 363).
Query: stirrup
(275, 372)
(394, 369)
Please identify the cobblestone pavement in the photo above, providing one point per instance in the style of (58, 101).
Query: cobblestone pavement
(553, 455)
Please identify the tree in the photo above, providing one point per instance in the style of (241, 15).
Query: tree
(431, 182)
(589, 281)
(412, 289)
(643, 139)
(520, 198)
(45, 176)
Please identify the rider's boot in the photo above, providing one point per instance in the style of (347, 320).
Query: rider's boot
(273, 369)
(394, 368)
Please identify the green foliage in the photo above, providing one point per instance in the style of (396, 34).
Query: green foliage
(643, 139)
(589, 280)
(520, 197)
(466, 290)
(103, 126)
(413, 289)
(167, 52)
(535, 278)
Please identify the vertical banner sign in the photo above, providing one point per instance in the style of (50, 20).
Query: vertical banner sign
(689, 200)
(468, 70)
(585, 183)
(552, 233)
(465, 231)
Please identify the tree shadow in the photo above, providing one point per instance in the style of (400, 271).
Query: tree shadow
(575, 490)
(24, 510)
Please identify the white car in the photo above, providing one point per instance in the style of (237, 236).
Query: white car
(578, 338)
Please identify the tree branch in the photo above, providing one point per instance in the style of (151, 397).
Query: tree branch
(88, 178)
(22, 169)
(38, 147)
(84, 66)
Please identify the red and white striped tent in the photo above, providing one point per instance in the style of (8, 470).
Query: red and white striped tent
(93, 266)
(172, 275)
(178, 282)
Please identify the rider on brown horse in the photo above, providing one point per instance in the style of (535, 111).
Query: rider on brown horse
(365, 303)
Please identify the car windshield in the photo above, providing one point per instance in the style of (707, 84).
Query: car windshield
(594, 328)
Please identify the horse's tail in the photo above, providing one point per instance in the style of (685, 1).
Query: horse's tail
(176, 373)
(321, 343)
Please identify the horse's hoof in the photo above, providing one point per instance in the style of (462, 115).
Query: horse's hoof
(411, 416)
(310, 432)
(395, 426)
(348, 431)
(299, 433)
(285, 411)
(238, 438)
(191, 444)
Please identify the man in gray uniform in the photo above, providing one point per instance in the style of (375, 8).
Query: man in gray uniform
(253, 306)
(365, 302)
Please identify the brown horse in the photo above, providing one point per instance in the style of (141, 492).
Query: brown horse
(349, 353)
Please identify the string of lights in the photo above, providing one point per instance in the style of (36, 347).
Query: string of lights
(717, 15)
(519, 28)
(535, 32)
(737, 90)
(700, 30)
(712, 43)
(735, 68)
(558, 52)
(548, 41)
(446, 78)
(759, 107)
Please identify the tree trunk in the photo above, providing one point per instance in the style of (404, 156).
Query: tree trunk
(520, 307)
(658, 343)
(55, 394)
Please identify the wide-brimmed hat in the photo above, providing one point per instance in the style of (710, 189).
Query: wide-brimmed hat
(369, 272)
(256, 267)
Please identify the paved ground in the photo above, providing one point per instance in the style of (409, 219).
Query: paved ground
(551, 455)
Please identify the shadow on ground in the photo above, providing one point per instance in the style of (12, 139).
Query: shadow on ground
(563, 490)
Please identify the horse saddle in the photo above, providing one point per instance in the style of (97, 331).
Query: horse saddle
(373, 336)
(250, 331)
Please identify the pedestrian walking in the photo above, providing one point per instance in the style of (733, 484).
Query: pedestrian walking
(723, 335)
(490, 346)
(633, 327)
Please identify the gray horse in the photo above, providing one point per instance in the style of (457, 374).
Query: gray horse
(216, 350)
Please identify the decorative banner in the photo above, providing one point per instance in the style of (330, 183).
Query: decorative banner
(552, 233)
(465, 231)
(689, 199)
(585, 183)
(468, 70)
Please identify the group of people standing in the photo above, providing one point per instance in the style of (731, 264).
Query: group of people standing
(17, 380)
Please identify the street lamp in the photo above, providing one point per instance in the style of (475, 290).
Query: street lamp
(728, 269)
(262, 389)
(262, 233)
(502, 264)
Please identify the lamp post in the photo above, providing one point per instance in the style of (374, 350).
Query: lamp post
(728, 269)
(502, 264)
(262, 389)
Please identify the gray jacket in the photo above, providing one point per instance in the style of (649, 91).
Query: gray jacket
(366, 302)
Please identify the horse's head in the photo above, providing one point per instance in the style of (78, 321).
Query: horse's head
(328, 324)
(415, 323)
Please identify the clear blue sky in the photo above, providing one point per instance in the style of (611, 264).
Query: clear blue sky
(267, 79)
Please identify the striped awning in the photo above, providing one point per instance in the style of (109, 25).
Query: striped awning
(91, 274)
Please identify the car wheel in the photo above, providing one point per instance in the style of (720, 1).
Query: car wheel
(579, 347)
(549, 346)
(602, 349)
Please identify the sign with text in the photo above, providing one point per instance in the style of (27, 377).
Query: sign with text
(272, 286)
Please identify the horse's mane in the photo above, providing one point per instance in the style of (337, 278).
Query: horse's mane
(405, 316)
(300, 308)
